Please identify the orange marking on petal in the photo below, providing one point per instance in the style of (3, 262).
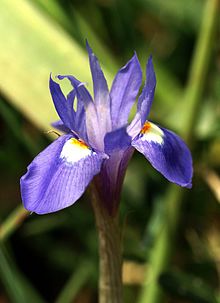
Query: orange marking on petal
(146, 127)
(80, 143)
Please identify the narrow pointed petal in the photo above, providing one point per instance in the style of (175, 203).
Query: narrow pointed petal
(101, 93)
(124, 90)
(167, 153)
(80, 121)
(145, 100)
(70, 105)
(147, 95)
(94, 128)
(59, 175)
(64, 107)
(80, 86)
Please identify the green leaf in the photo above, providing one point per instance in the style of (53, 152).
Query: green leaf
(17, 286)
(32, 47)
(75, 283)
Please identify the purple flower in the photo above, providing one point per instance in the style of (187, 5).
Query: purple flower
(99, 142)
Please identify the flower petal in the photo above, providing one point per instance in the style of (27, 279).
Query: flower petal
(59, 175)
(117, 140)
(145, 100)
(80, 121)
(101, 93)
(109, 181)
(60, 126)
(94, 131)
(64, 107)
(166, 152)
(124, 90)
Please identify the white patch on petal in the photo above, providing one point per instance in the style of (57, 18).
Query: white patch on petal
(74, 150)
(152, 133)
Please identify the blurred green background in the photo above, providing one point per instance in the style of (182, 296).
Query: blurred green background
(171, 236)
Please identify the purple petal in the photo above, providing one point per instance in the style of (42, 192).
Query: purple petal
(79, 86)
(99, 82)
(80, 121)
(124, 90)
(93, 126)
(64, 107)
(109, 181)
(117, 140)
(101, 93)
(145, 101)
(166, 152)
(60, 126)
(147, 95)
(59, 175)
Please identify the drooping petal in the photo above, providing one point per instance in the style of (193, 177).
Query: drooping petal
(166, 152)
(64, 107)
(59, 175)
(124, 90)
(145, 100)
(101, 93)
(94, 131)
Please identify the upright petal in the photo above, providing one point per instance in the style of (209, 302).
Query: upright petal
(166, 152)
(80, 120)
(101, 93)
(64, 107)
(59, 175)
(147, 95)
(145, 100)
(93, 127)
(124, 90)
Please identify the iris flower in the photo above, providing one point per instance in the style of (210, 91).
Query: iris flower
(99, 142)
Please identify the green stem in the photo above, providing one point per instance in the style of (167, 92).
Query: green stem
(161, 253)
(110, 256)
(12, 222)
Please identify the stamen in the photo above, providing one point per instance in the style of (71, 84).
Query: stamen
(52, 132)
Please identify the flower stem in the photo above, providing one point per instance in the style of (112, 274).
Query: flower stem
(12, 222)
(110, 254)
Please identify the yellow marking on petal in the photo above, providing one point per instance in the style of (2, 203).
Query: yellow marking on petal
(146, 127)
(152, 133)
(80, 143)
